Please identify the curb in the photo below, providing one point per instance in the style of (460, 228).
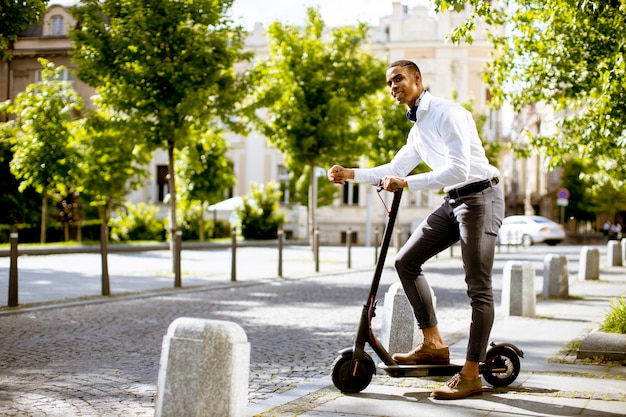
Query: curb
(604, 346)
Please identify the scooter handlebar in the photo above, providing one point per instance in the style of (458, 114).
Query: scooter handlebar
(393, 186)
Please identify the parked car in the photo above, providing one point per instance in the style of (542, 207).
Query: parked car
(529, 230)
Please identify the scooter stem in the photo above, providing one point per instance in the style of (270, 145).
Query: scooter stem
(364, 332)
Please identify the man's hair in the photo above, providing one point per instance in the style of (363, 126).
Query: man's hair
(406, 63)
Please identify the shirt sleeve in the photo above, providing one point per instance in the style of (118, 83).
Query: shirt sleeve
(402, 163)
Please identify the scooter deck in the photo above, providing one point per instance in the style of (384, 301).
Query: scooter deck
(420, 370)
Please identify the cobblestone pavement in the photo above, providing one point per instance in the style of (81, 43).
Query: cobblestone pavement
(102, 359)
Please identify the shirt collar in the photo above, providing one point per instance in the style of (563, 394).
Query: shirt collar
(411, 114)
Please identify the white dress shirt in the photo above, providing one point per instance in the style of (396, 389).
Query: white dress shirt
(446, 139)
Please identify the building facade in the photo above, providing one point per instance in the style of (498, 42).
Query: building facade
(407, 33)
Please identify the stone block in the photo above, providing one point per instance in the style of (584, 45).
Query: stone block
(614, 253)
(518, 289)
(204, 370)
(589, 265)
(400, 332)
(555, 277)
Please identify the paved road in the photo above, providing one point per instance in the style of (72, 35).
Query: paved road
(102, 359)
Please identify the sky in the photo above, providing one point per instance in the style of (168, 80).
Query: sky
(334, 12)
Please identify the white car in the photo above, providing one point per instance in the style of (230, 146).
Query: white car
(528, 230)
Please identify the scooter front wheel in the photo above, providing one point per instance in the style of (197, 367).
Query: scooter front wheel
(501, 367)
(352, 378)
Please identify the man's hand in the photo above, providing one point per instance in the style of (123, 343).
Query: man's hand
(338, 174)
(391, 183)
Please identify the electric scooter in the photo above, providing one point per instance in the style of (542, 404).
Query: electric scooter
(353, 369)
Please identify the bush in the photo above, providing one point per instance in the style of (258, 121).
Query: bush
(260, 215)
(89, 231)
(189, 222)
(615, 319)
(222, 229)
(137, 222)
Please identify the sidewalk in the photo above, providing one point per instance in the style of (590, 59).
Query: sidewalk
(551, 382)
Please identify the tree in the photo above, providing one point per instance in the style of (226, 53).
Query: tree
(312, 86)
(383, 127)
(167, 64)
(17, 207)
(588, 200)
(15, 17)
(46, 114)
(205, 173)
(569, 54)
(580, 206)
(110, 164)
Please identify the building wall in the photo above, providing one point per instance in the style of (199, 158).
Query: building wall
(40, 41)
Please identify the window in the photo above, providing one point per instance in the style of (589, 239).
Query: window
(283, 173)
(283, 178)
(419, 198)
(66, 75)
(351, 194)
(56, 26)
(353, 237)
(162, 183)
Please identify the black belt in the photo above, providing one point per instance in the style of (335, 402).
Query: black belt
(472, 188)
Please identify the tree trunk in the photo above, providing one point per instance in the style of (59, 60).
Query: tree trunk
(201, 231)
(104, 249)
(44, 215)
(174, 233)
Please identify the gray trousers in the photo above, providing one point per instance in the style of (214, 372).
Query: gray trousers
(474, 220)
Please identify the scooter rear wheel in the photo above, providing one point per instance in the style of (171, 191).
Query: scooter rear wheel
(501, 367)
(352, 379)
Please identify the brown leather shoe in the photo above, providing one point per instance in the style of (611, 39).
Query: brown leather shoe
(423, 355)
(458, 387)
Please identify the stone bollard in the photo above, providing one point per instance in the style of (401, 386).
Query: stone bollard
(589, 267)
(204, 370)
(614, 253)
(400, 332)
(623, 247)
(555, 277)
(518, 289)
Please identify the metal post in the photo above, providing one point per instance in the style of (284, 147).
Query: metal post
(349, 245)
(178, 238)
(13, 298)
(280, 252)
(233, 268)
(316, 242)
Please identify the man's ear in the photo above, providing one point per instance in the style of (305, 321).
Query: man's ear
(418, 78)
